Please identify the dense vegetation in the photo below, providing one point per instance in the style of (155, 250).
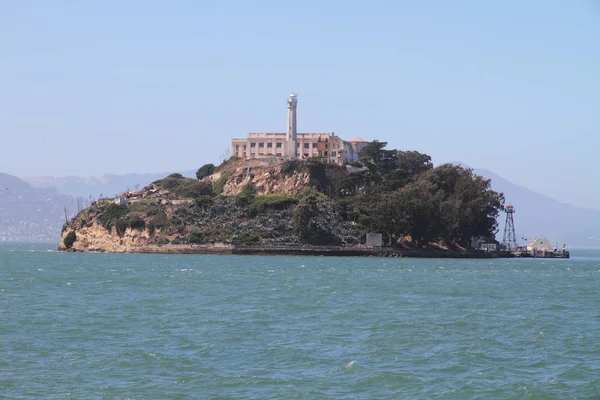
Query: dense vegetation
(397, 193)
(403, 196)
(184, 187)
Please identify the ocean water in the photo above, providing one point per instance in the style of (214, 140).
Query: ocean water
(123, 326)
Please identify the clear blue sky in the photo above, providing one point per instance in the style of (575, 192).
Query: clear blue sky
(94, 87)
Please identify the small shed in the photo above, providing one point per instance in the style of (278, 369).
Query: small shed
(121, 200)
(374, 239)
(488, 247)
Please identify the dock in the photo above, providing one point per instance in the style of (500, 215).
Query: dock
(542, 254)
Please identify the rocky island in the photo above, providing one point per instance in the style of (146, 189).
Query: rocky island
(294, 206)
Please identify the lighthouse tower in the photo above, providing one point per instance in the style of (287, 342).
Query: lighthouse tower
(290, 144)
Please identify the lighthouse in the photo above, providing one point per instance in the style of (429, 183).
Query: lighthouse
(290, 144)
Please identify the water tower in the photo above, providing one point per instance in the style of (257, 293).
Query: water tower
(510, 239)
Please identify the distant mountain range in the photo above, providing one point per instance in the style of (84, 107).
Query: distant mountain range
(103, 186)
(32, 208)
(542, 216)
(31, 214)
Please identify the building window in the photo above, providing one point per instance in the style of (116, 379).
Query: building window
(325, 154)
(333, 153)
(314, 145)
(269, 145)
(305, 155)
(252, 155)
(306, 145)
(326, 146)
(252, 144)
(278, 145)
(261, 145)
(237, 148)
(244, 148)
(278, 154)
(298, 144)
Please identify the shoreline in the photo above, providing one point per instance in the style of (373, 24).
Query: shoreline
(305, 250)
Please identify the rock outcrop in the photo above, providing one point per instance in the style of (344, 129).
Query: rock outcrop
(267, 181)
(97, 238)
(180, 211)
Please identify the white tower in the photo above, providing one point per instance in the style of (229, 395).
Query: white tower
(290, 144)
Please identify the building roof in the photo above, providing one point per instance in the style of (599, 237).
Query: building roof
(358, 140)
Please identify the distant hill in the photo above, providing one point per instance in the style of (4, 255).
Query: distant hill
(31, 214)
(104, 186)
(539, 215)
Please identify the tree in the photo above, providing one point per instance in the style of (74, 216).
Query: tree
(420, 211)
(412, 163)
(411, 211)
(353, 184)
(469, 207)
(385, 160)
(448, 203)
(204, 171)
(386, 218)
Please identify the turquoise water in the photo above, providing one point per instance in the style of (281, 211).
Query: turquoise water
(109, 326)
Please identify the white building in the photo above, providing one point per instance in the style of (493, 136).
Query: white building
(291, 144)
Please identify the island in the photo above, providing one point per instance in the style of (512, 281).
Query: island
(387, 202)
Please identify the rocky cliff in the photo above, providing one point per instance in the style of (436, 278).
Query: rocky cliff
(291, 177)
(245, 203)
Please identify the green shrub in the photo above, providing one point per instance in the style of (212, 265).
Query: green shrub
(153, 210)
(215, 234)
(220, 183)
(137, 222)
(248, 193)
(121, 226)
(70, 239)
(305, 213)
(195, 235)
(247, 238)
(204, 201)
(170, 182)
(316, 170)
(184, 187)
(290, 166)
(204, 171)
(159, 221)
(112, 213)
(144, 207)
(279, 202)
(194, 189)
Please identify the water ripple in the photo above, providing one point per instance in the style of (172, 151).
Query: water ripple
(179, 327)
